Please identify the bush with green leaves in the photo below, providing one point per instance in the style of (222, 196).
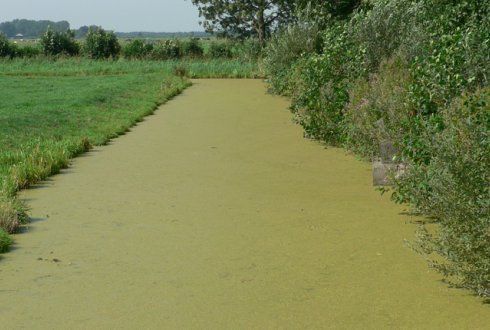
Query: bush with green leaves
(28, 51)
(377, 111)
(321, 83)
(388, 27)
(249, 50)
(59, 43)
(453, 189)
(285, 48)
(192, 48)
(220, 49)
(137, 49)
(101, 44)
(170, 49)
(6, 48)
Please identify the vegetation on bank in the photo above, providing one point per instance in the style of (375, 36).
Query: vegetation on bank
(52, 111)
(414, 73)
(101, 44)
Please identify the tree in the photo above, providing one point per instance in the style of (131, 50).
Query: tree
(56, 43)
(6, 48)
(101, 44)
(243, 18)
(257, 18)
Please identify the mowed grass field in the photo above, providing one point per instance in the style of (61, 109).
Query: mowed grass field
(195, 68)
(51, 111)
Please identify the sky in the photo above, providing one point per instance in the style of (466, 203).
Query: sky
(118, 15)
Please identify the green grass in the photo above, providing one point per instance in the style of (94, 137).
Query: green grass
(5, 241)
(199, 68)
(51, 111)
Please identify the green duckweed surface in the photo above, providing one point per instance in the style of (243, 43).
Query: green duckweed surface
(216, 213)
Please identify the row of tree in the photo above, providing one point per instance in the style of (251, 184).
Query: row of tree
(101, 44)
(35, 29)
(30, 28)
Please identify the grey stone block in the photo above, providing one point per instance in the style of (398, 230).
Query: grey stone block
(383, 171)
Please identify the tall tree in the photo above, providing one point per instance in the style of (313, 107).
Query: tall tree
(243, 18)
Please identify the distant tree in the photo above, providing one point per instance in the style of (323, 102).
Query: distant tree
(30, 28)
(101, 44)
(81, 32)
(243, 18)
(8, 28)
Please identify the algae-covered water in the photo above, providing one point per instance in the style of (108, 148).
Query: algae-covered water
(215, 213)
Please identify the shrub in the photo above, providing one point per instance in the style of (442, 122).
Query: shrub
(5, 241)
(220, 49)
(320, 90)
(377, 110)
(6, 48)
(101, 44)
(28, 51)
(167, 50)
(249, 50)
(285, 48)
(389, 26)
(137, 49)
(192, 48)
(455, 192)
(59, 43)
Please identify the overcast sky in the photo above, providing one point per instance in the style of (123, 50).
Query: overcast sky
(119, 15)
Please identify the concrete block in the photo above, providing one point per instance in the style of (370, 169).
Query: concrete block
(383, 171)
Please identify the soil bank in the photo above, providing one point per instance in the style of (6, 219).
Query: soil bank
(216, 213)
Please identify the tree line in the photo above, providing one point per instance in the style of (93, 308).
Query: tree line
(32, 29)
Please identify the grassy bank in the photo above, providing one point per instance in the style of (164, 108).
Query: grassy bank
(51, 111)
(79, 66)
